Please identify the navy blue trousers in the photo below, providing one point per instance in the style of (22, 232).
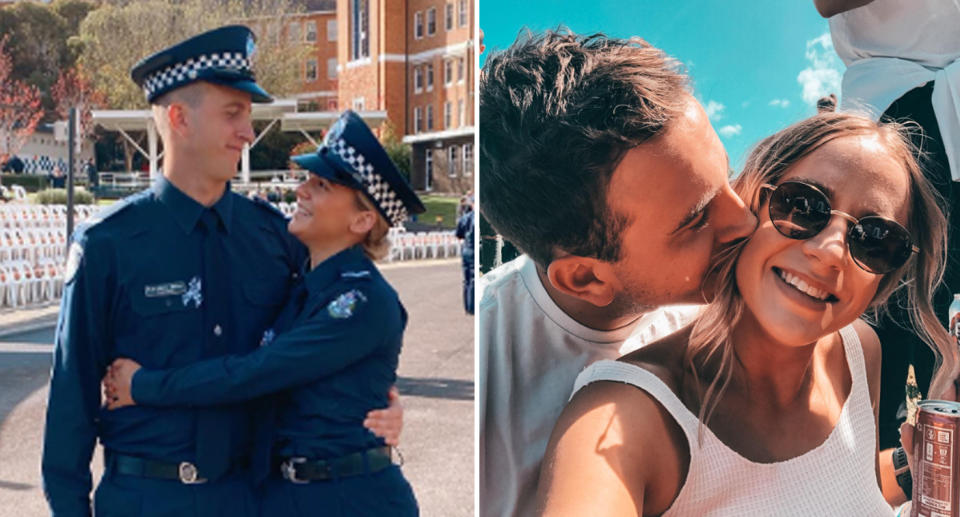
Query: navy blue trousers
(383, 493)
(132, 496)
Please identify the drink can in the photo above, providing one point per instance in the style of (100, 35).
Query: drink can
(953, 316)
(936, 483)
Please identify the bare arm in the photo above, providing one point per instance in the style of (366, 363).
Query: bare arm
(612, 453)
(828, 8)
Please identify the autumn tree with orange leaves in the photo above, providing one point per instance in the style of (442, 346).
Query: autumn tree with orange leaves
(20, 108)
(72, 90)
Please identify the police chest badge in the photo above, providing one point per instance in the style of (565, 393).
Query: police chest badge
(74, 258)
(343, 306)
(193, 293)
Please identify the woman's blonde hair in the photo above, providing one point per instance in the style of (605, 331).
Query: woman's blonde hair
(710, 341)
(375, 244)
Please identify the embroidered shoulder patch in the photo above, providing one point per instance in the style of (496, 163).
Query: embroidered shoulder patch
(343, 306)
(268, 336)
(74, 258)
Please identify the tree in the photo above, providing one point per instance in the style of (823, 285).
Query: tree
(118, 34)
(399, 152)
(72, 90)
(20, 107)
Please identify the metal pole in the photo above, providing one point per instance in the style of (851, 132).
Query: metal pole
(71, 160)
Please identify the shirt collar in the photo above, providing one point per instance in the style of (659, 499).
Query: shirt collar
(329, 270)
(186, 210)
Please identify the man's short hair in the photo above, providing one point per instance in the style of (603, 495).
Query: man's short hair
(558, 111)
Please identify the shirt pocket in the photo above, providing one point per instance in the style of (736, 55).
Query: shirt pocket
(148, 307)
(265, 294)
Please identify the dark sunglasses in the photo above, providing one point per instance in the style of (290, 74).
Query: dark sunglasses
(799, 211)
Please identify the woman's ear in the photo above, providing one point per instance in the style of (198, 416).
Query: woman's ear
(363, 221)
(586, 278)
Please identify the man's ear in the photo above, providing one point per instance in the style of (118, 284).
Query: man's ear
(177, 118)
(586, 278)
(363, 221)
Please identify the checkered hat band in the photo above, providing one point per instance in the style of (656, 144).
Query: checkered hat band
(188, 70)
(379, 189)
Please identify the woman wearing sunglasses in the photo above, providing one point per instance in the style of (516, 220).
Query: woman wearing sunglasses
(766, 404)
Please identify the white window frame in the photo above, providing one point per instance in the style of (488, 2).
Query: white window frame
(447, 114)
(461, 69)
(463, 13)
(332, 68)
(467, 166)
(418, 25)
(431, 21)
(452, 161)
(428, 169)
(306, 70)
(417, 79)
(418, 120)
(429, 74)
(461, 113)
(359, 104)
(359, 39)
(448, 16)
(447, 72)
(310, 33)
(332, 30)
(430, 117)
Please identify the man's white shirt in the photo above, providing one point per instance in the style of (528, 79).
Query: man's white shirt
(530, 354)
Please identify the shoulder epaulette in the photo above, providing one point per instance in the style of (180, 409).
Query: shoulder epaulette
(264, 204)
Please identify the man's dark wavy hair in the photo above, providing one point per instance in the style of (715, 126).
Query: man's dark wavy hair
(558, 111)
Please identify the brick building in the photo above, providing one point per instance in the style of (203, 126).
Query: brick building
(414, 59)
(317, 26)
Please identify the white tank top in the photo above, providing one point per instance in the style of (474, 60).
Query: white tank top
(837, 478)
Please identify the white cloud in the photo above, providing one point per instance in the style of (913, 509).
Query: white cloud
(728, 131)
(823, 72)
(714, 110)
(782, 103)
(744, 104)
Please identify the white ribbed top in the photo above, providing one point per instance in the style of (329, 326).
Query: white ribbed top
(837, 478)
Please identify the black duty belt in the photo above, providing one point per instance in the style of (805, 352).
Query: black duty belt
(305, 470)
(184, 471)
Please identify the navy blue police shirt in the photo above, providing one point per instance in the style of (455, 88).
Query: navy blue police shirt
(337, 357)
(133, 291)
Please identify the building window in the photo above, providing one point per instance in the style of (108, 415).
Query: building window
(360, 28)
(293, 32)
(467, 159)
(447, 72)
(460, 67)
(452, 161)
(463, 12)
(418, 25)
(418, 122)
(332, 68)
(460, 113)
(310, 70)
(332, 105)
(311, 34)
(429, 77)
(359, 104)
(331, 30)
(430, 118)
(417, 79)
(448, 18)
(428, 168)
(431, 21)
(447, 115)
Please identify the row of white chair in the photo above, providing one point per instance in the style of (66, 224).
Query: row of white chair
(23, 283)
(28, 215)
(13, 192)
(422, 245)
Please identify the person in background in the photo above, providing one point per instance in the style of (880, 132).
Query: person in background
(466, 228)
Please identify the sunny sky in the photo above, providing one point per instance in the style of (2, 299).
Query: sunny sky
(757, 66)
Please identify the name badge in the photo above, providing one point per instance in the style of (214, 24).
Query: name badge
(168, 289)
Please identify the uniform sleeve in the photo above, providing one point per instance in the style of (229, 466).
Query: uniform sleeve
(333, 338)
(78, 365)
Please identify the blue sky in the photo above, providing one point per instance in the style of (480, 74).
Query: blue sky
(757, 66)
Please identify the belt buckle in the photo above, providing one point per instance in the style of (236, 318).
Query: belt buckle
(289, 470)
(188, 474)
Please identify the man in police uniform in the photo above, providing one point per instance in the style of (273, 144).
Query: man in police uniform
(184, 271)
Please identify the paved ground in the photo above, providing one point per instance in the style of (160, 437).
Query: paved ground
(436, 383)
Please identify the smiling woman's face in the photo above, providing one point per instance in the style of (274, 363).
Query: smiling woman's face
(801, 290)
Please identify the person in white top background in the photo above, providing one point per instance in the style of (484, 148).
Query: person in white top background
(766, 404)
(600, 166)
(903, 63)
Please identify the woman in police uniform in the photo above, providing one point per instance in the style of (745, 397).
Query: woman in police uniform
(334, 348)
